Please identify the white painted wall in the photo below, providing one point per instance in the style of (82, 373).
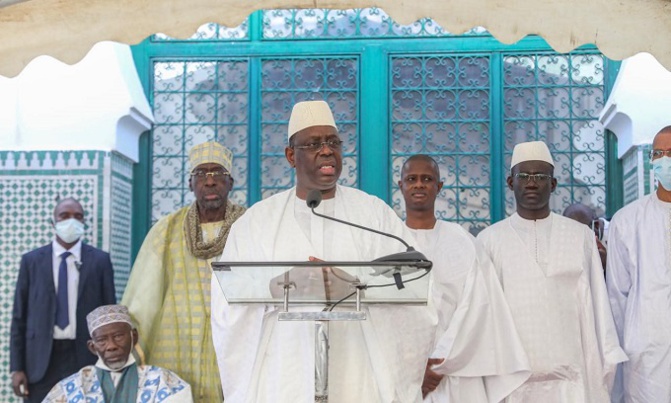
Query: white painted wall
(96, 104)
(640, 103)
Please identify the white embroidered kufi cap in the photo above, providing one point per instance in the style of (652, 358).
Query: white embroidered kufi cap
(308, 114)
(106, 314)
(531, 151)
(210, 152)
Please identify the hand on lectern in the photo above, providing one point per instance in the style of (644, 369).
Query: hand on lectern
(337, 283)
(328, 283)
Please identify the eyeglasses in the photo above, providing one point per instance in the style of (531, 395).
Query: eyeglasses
(334, 145)
(654, 154)
(538, 178)
(199, 174)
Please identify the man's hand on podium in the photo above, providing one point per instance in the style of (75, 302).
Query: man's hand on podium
(337, 284)
(329, 283)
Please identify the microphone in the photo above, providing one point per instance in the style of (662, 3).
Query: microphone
(78, 265)
(314, 198)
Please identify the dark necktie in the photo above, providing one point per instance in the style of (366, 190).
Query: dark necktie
(62, 314)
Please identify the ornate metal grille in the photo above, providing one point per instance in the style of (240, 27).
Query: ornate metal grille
(440, 107)
(287, 81)
(353, 23)
(196, 101)
(557, 99)
(212, 32)
(464, 99)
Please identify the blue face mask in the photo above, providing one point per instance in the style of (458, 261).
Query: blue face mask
(662, 169)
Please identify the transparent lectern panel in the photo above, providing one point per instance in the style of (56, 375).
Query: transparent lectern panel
(310, 283)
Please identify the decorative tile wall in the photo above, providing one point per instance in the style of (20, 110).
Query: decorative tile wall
(119, 233)
(30, 184)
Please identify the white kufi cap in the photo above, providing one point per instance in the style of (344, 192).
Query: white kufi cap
(308, 114)
(106, 314)
(531, 151)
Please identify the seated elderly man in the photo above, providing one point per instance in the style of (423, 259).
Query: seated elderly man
(116, 377)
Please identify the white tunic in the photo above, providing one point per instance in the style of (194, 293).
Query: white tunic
(551, 276)
(639, 286)
(484, 357)
(380, 359)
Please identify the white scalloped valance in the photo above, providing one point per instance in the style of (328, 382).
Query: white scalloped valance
(67, 30)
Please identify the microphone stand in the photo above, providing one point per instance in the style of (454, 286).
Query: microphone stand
(409, 248)
(322, 326)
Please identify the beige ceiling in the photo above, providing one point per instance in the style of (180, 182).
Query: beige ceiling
(67, 29)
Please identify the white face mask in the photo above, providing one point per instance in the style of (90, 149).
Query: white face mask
(662, 169)
(69, 230)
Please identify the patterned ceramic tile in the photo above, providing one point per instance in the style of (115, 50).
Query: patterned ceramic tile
(30, 185)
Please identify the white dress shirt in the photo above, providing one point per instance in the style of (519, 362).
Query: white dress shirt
(73, 262)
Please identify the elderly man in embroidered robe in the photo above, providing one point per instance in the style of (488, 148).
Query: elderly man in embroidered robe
(639, 284)
(168, 293)
(261, 359)
(477, 346)
(550, 272)
(116, 377)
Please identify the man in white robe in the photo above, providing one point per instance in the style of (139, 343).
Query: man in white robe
(477, 346)
(550, 272)
(380, 359)
(116, 377)
(639, 285)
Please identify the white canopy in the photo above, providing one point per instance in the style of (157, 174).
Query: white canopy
(67, 30)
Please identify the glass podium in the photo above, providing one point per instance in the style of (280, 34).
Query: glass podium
(297, 287)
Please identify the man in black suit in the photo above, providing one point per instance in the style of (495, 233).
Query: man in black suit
(58, 285)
